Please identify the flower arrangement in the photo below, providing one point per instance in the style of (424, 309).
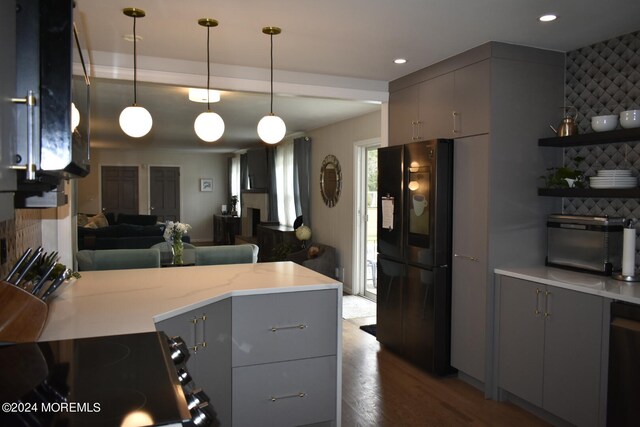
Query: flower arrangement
(173, 233)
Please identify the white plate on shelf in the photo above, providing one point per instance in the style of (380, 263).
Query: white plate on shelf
(614, 172)
(630, 185)
(613, 180)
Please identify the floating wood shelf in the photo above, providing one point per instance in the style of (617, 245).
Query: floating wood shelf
(593, 138)
(595, 193)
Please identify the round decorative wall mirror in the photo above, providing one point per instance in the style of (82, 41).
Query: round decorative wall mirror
(330, 180)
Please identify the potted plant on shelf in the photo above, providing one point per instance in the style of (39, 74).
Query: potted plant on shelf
(564, 177)
(234, 204)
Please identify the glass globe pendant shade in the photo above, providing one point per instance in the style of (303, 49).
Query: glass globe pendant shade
(75, 117)
(271, 129)
(209, 126)
(135, 121)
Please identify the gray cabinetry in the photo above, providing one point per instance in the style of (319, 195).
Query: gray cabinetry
(450, 105)
(207, 333)
(471, 100)
(550, 343)
(469, 278)
(7, 108)
(403, 116)
(436, 108)
(268, 359)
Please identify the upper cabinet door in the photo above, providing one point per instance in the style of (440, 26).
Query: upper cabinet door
(471, 101)
(436, 106)
(403, 116)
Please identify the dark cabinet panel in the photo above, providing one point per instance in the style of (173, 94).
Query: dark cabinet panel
(225, 228)
(390, 191)
(389, 303)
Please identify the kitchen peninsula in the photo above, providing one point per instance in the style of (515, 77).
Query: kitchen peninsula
(254, 330)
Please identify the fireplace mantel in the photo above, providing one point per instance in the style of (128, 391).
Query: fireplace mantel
(254, 199)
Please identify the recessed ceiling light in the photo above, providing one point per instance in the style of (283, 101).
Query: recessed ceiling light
(548, 18)
(200, 95)
(399, 61)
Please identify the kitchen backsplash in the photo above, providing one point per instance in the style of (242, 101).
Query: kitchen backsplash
(21, 233)
(604, 78)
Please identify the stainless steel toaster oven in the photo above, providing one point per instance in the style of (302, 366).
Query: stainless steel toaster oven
(588, 243)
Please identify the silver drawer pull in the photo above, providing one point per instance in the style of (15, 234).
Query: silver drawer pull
(470, 258)
(300, 326)
(274, 398)
(198, 345)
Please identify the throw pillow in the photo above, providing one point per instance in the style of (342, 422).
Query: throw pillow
(90, 225)
(313, 252)
(100, 220)
(82, 220)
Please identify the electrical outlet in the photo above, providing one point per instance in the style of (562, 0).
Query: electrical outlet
(3, 251)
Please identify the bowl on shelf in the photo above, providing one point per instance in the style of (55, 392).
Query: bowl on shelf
(630, 119)
(604, 123)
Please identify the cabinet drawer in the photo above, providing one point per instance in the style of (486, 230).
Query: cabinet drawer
(284, 326)
(286, 393)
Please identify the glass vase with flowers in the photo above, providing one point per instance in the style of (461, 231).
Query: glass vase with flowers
(173, 233)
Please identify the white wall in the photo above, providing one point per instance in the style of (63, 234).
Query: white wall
(334, 226)
(197, 207)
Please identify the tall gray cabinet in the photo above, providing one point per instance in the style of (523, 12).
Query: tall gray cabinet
(495, 101)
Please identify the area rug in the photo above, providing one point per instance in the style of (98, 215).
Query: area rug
(354, 306)
(370, 329)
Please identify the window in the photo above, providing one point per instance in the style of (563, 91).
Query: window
(235, 181)
(284, 184)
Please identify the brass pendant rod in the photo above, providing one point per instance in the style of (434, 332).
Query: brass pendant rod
(135, 64)
(271, 108)
(208, 70)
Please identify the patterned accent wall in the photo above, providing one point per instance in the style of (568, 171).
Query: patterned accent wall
(604, 78)
(21, 233)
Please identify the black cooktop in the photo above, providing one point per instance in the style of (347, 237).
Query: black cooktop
(121, 380)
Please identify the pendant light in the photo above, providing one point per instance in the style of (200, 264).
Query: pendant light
(209, 126)
(271, 128)
(135, 120)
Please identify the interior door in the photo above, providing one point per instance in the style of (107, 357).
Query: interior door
(164, 187)
(120, 189)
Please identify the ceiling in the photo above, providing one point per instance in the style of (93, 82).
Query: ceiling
(332, 59)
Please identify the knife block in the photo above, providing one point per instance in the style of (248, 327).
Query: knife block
(22, 315)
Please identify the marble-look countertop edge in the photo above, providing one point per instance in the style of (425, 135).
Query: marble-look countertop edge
(243, 292)
(603, 286)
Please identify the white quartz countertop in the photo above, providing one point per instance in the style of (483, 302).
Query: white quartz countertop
(117, 302)
(581, 282)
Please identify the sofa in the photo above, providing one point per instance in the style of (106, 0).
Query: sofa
(227, 254)
(122, 231)
(117, 259)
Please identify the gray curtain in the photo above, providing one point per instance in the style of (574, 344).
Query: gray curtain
(271, 167)
(244, 172)
(301, 179)
(229, 180)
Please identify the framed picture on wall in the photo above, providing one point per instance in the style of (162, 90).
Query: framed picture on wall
(206, 184)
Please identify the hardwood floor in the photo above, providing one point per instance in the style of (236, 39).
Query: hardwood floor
(381, 389)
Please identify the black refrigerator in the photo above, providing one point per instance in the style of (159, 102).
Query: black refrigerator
(415, 183)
